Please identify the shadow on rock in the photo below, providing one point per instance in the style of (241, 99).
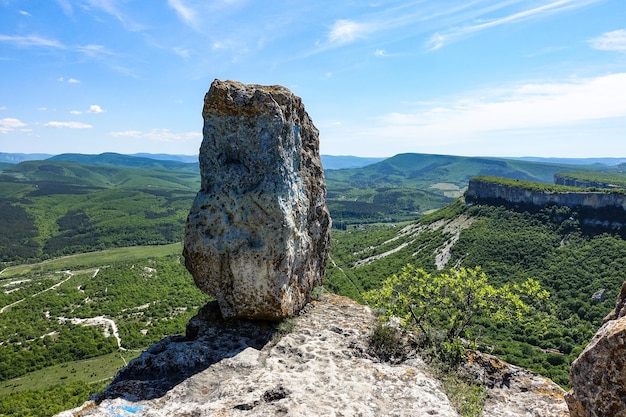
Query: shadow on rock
(209, 338)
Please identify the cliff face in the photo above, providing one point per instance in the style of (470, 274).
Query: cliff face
(573, 182)
(321, 368)
(597, 375)
(480, 190)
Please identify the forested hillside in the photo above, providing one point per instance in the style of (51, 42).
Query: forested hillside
(60, 207)
(547, 244)
(53, 208)
(73, 203)
(407, 186)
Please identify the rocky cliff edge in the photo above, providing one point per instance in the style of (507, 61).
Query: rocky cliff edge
(320, 368)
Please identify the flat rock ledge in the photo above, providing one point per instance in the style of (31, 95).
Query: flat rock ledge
(320, 368)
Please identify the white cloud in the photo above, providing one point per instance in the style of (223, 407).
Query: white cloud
(443, 38)
(160, 135)
(610, 41)
(32, 40)
(69, 125)
(186, 13)
(25, 13)
(41, 42)
(69, 80)
(94, 108)
(526, 107)
(76, 112)
(9, 124)
(345, 31)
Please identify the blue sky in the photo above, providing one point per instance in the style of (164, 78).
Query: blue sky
(378, 78)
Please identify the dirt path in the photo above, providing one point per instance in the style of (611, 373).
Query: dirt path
(6, 307)
(70, 275)
(110, 328)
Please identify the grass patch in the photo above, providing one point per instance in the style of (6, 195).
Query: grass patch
(44, 403)
(101, 368)
(467, 397)
(93, 259)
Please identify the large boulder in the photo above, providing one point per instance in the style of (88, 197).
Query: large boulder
(258, 232)
(597, 375)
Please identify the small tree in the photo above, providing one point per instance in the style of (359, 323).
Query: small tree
(453, 300)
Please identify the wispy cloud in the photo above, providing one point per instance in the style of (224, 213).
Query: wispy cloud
(161, 135)
(69, 125)
(93, 50)
(9, 124)
(36, 41)
(185, 53)
(76, 112)
(610, 41)
(24, 13)
(442, 38)
(32, 41)
(524, 107)
(185, 12)
(112, 8)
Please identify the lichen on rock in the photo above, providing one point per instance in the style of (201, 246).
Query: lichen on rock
(258, 231)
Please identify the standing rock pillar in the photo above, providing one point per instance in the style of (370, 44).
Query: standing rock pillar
(258, 232)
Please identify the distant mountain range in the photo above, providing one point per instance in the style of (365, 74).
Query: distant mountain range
(574, 161)
(328, 161)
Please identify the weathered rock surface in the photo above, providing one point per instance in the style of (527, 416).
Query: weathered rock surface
(481, 190)
(514, 391)
(597, 375)
(321, 368)
(258, 231)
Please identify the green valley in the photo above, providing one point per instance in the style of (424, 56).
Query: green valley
(93, 272)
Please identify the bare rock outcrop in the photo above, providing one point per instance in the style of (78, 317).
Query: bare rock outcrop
(597, 375)
(514, 391)
(258, 231)
(320, 368)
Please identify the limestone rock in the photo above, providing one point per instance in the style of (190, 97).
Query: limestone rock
(258, 231)
(320, 368)
(597, 375)
(514, 391)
